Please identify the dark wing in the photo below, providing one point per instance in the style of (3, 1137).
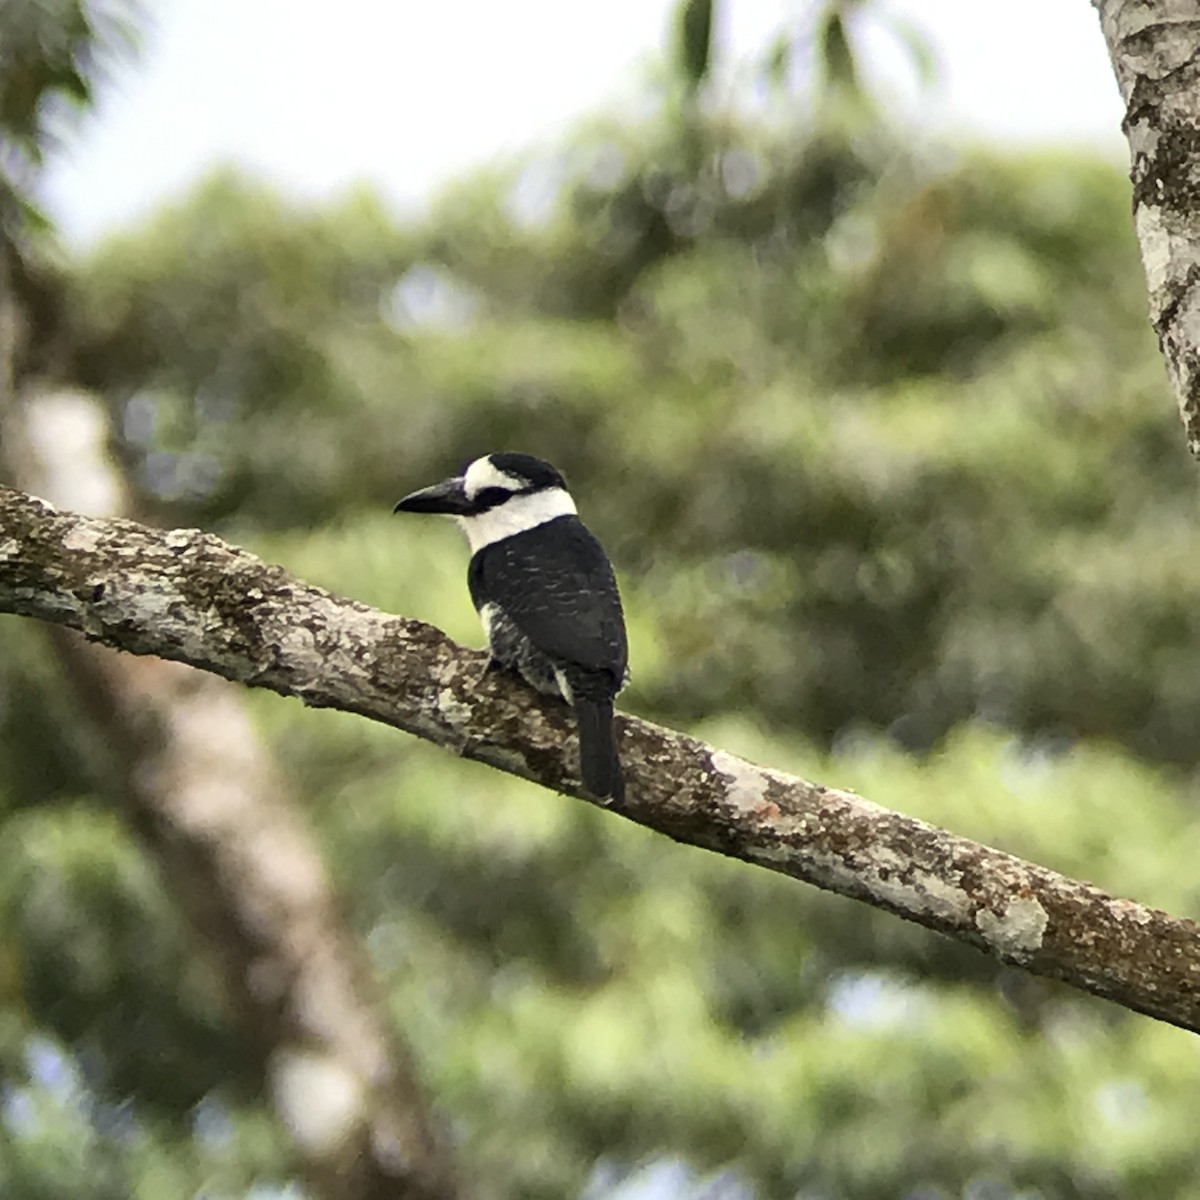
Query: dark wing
(558, 589)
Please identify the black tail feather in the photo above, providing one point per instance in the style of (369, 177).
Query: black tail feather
(599, 766)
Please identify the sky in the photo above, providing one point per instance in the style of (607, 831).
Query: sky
(408, 94)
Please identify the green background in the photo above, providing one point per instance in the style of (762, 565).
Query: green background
(881, 446)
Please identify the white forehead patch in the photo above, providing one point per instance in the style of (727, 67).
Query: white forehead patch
(483, 473)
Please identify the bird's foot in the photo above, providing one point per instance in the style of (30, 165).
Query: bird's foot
(490, 666)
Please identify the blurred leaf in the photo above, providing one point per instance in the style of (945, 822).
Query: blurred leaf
(778, 61)
(696, 18)
(916, 42)
(53, 53)
(836, 58)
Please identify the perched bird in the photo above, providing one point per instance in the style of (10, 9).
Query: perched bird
(545, 592)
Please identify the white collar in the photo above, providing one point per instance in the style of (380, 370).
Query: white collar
(518, 514)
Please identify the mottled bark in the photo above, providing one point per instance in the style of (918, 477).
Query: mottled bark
(203, 795)
(189, 596)
(1155, 50)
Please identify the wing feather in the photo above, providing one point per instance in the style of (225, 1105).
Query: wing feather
(557, 586)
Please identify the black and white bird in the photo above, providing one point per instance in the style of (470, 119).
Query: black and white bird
(545, 592)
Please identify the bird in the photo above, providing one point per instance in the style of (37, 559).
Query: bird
(545, 593)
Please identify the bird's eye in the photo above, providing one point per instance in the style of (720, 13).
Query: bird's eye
(489, 497)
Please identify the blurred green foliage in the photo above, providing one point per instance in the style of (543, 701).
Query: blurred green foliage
(52, 55)
(882, 448)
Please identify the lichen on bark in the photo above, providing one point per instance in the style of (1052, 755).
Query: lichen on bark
(193, 598)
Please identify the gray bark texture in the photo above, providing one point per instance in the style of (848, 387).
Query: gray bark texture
(1155, 50)
(201, 792)
(190, 597)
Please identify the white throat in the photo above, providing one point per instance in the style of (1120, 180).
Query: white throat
(516, 515)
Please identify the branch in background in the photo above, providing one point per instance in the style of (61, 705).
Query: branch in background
(189, 596)
(1155, 50)
(205, 799)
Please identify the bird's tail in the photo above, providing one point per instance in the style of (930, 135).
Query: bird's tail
(599, 766)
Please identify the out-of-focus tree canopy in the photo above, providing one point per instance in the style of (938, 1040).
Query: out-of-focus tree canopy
(882, 449)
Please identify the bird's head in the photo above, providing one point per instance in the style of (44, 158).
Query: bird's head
(496, 496)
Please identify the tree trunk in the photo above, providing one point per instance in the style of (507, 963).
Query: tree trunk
(201, 792)
(1155, 50)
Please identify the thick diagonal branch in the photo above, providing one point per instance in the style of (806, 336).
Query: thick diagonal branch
(189, 596)
(1155, 50)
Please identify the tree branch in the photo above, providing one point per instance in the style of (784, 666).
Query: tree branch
(202, 794)
(1155, 50)
(189, 596)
